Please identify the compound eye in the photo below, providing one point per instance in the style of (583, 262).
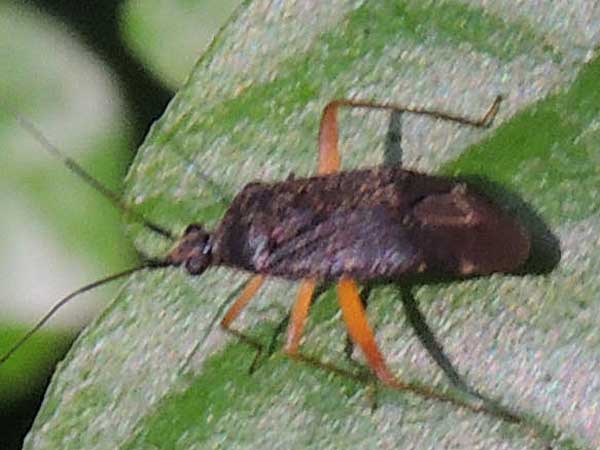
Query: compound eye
(197, 264)
(193, 228)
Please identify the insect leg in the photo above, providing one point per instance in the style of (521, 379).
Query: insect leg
(329, 155)
(299, 314)
(250, 290)
(296, 327)
(329, 162)
(361, 333)
(482, 122)
(352, 308)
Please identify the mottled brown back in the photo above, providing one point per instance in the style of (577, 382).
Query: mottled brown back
(376, 223)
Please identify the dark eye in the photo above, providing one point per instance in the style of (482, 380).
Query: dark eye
(197, 264)
(193, 228)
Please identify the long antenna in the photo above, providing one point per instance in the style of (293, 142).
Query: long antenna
(154, 264)
(74, 167)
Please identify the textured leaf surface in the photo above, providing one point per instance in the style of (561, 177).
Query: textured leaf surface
(250, 111)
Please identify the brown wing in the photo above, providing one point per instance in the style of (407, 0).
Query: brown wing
(367, 224)
(351, 223)
(364, 243)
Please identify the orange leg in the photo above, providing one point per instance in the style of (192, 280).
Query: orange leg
(249, 291)
(299, 314)
(360, 332)
(329, 162)
(352, 309)
(329, 130)
(234, 311)
(329, 155)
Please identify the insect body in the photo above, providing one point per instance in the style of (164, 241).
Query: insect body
(370, 224)
(373, 224)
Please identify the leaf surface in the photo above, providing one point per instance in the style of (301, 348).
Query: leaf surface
(250, 111)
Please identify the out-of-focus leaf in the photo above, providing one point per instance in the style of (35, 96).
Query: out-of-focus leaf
(169, 37)
(56, 234)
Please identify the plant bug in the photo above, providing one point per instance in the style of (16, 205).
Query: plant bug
(377, 224)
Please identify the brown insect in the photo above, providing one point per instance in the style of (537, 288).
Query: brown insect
(371, 224)
(386, 224)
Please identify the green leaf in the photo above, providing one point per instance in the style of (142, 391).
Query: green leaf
(250, 111)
